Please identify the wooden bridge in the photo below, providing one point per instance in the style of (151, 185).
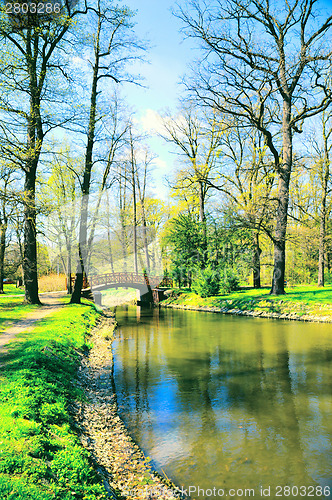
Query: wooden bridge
(150, 287)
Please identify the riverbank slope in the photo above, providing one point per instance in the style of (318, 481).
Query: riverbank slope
(126, 471)
(60, 435)
(40, 454)
(302, 303)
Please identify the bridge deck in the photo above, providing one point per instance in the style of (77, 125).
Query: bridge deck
(125, 279)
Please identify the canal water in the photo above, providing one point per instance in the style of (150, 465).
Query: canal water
(234, 406)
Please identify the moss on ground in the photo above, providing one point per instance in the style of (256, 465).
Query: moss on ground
(40, 455)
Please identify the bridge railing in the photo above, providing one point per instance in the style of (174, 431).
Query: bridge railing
(134, 278)
(128, 278)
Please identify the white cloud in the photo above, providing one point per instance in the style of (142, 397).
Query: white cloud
(152, 122)
(161, 164)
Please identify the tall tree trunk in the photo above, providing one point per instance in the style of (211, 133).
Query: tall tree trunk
(35, 138)
(69, 244)
(278, 279)
(109, 233)
(146, 248)
(110, 249)
(257, 262)
(202, 219)
(141, 194)
(122, 212)
(69, 285)
(134, 205)
(83, 232)
(30, 239)
(322, 228)
(3, 229)
(322, 238)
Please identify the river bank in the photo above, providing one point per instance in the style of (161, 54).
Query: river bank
(57, 394)
(125, 470)
(40, 455)
(315, 306)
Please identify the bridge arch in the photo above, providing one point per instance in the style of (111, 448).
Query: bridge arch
(145, 285)
(144, 294)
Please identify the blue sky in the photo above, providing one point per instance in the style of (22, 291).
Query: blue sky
(168, 58)
(168, 55)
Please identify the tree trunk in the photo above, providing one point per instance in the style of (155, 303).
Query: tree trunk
(35, 138)
(278, 279)
(83, 233)
(69, 285)
(122, 215)
(109, 239)
(134, 205)
(257, 262)
(30, 239)
(322, 228)
(82, 247)
(322, 238)
(3, 228)
(141, 194)
(202, 220)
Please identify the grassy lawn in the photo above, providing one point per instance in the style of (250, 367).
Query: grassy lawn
(307, 299)
(12, 308)
(12, 290)
(40, 456)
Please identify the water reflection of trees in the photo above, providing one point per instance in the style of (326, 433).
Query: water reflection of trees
(235, 391)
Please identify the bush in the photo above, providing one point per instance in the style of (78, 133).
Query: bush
(206, 282)
(230, 282)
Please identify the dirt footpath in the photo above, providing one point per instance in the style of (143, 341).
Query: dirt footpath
(51, 302)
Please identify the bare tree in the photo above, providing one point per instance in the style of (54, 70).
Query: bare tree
(113, 45)
(141, 181)
(248, 180)
(197, 140)
(133, 169)
(61, 195)
(322, 146)
(266, 64)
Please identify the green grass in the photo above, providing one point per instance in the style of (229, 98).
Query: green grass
(12, 290)
(40, 456)
(13, 308)
(307, 299)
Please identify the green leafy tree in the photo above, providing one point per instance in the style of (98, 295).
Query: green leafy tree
(185, 237)
(206, 282)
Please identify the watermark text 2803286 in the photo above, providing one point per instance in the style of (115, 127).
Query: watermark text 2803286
(21, 8)
(320, 492)
(28, 13)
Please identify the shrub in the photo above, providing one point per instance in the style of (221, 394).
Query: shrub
(230, 282)
(206, 282)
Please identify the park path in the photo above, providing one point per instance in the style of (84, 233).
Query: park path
(51, 303)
